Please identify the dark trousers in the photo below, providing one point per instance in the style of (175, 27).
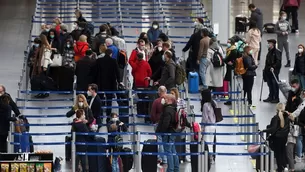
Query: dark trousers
(280, 153)
(273, 86)
(143, 106)
(248, 85)
(293, 12)
(259, 51)
(107, 102)
(3, 143)
(82, 159)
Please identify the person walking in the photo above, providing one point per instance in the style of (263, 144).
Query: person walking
(282, 29)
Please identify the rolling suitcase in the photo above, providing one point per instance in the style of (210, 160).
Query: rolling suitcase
(224, 88)
(193, 82)
(24, 141)
(180, 148)
(149, 162)
(240, 24)
(68, 151)
(194, 158)
(97, 163)
(127, 160)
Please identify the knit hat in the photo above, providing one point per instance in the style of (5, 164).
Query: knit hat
(200, 20)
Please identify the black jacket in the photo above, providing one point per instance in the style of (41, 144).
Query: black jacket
(293, 100)
(230, 58)
(299, 64)
(5, 115)
(273, 60)
(88, 114)
(168, 75)
(78, 126)
(13, 105)
(156, 63)
(249, 64)
(82, 71)
(106, 73)
(96, 106)
(166, 122)
(275, 127)
(193, 44)
(257, 16)
(76, 34)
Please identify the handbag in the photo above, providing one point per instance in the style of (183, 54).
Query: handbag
(57, 60)
(217, 113)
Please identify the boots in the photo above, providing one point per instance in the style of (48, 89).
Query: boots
(288, 64)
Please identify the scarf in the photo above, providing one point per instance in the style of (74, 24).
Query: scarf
(228, 51)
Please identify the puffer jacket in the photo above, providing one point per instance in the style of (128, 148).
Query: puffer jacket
(299, 65)
(249, 65)
(168, 75)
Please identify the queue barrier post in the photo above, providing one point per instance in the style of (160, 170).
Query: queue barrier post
(242, 112)
(271, 160)
(261, 156)
(138, 154)
(200, 138)
(73, 152)
(10, 147)
(234, 95)
(74, 89)
(132, 117)
(206, 161)
(267, 157)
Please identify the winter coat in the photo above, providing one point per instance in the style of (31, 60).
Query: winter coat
(193, 44)
(257, 16)
(231, 56)
(168, 75)
(106, 73)
(141, 70)
(253, 38)
(249, 65)
(115, 51)
(88, 114)
(275, 128)
(79, 126)
(82, 71)
(273, 60)
(299, 65)
(156, 61)
(292, 3)
(214, 75)
(293, 100)
(76, 34)
(5, 115)
(133, 57)
(166, 122)
(153, 34)
(80, 50)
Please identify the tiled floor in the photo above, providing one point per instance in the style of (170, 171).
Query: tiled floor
(15, 17)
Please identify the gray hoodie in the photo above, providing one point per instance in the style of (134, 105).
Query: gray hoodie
(280, 27)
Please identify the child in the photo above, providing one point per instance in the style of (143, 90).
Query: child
(291, 143)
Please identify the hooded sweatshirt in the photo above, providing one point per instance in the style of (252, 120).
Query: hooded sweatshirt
(280, 27)
(141, 70)
(253, 38)
(257, 16)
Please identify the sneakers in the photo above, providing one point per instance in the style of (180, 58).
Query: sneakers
(298, 159)
(269, 100)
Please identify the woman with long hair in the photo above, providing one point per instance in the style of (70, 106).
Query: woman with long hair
(253, 38)
(81, 103)
(278, 131)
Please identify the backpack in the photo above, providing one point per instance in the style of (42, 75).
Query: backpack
(122, 59)
(180, 75)
(180, 120)
(239, 66)
(118, 140)
(90, 27)
(217, 59)
(196, 130)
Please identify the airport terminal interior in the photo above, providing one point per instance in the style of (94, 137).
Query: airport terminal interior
(21, 20)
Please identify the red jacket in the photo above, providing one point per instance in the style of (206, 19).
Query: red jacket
(140, 70)
(80, 50)
(133, 58)
(292, 3)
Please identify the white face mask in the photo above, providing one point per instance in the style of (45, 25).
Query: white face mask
(293, 89)
(163, 58)
(195, 23)
(159, 48)
(80, 104)
(155, 26)
(89, 93)
(162, 101)
(68, 45)
(115, 119)
(300, 50)
(284, 17)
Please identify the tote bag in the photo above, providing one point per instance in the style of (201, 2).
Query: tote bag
(57, 60)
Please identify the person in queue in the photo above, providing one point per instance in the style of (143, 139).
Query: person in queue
(33, 55)
(156, 63)
(54, 41)
(106, 76)
(279, 129)
(156, 111)
(273, 64)
(165, 126)
(80, 125)
(68, 53)
(231, 55)
(79, 16)
(165, 38)
(81, 103)
(102, 51)
(167, 47)
(64, 36)
(12, 104)
(100, 38)
(198, 25)
(95, 103)
(202, 56)
(83, 71)
(299, 65)
(248, 77)
(148, 45)
(57, 23)
(80, 48)
(45, 28)
(117, 41)
(300, 120)
(208, 116)
(154, 32)
(115, 50)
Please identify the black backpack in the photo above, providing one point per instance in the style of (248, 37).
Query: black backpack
(217, 59)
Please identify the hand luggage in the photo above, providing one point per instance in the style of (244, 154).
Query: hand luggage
(194, 158)
(180, 148)
(24, 141)
(127, 160)
(224, 88)
(42, 83)
(269, 28)
(149, 162)
(68, 149)
(193, 82)
(97, 163)
(240, 24)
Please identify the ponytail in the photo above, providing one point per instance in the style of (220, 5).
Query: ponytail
(280, 107)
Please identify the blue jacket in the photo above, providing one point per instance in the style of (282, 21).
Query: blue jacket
(153, 34)
(115, 51)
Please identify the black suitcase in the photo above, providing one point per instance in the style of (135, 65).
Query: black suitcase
(68, 151)
(42, 83)
(240, 24)
(180, 148)
(97, 163)
(65, 79)
(143, 105)
(127, 160)
(149, 162)
(194, 158)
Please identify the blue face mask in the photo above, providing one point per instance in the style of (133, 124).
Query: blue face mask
(229, 45)
(36, 45)
(251, 52)
(51, 36)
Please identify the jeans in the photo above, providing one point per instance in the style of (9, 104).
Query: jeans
(248, 85)
(299, 146)
(115, 164)
(161, 148)
(302, 80)
(294, 13)
(203, 65)
(273, 87)
(172, 160)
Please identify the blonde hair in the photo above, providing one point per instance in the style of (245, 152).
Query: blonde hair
(176, 92)
(81, 96)
(280, 107)
(83, 38)
(103, 48)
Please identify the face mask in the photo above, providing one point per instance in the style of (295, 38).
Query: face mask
(155, 26)
(114, 119)
(195, 23)
(51, 36)
(163, 58)
(68, 45)
(229, 45)
(47, 30)
(250, 52)
(300, 50)
(142, 47)
(89, 93)
(159, 48)
(284, 17)
(36, 45)
(293, 89)
(163, 101)
(80, 104)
